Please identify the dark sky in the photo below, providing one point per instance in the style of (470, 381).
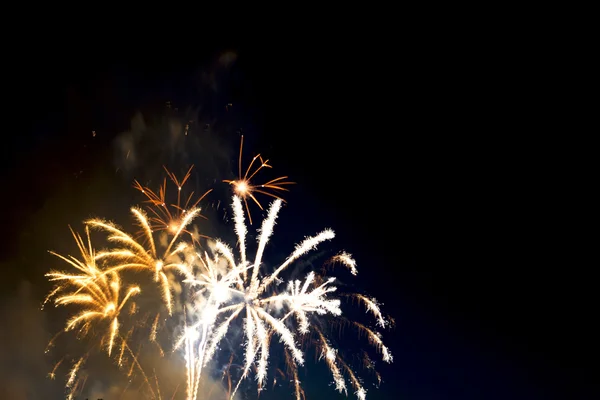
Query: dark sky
(418, 164)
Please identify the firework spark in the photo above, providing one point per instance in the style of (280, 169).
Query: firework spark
(241, 290)
(225, 289)
(99, 296)
(98, 293)
(165, 216)
(146, 257)
(244, 188)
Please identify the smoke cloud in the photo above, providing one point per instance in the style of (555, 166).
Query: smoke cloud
(199, 134)
(23, 339)
(25, 368)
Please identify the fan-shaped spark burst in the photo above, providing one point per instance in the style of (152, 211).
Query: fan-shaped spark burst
(166, 216)
(253, 296)
(244, 188)
(146, 257)
(99, 295)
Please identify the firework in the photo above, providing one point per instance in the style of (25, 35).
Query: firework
(244, 188)
(238, 289)
(99, 296)
(166, 216)
(135, 255)
(224, 290)
(98, 293)
(97, 283)
(143, 254)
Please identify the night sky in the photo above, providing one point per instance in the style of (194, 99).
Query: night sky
(446, 208)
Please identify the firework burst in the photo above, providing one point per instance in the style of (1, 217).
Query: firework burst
(137, 256)
(224, 290)
(238, 290)
(244, 188)
(99, 296)
(167, 216)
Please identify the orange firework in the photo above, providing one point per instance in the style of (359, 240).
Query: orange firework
(167, 216)
(244, 188)
(100, 297)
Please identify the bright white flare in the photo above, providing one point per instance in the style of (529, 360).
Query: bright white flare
(302, 302)
(235, 292)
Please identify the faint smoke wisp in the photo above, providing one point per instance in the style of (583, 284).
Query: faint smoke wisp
(23, 339)
(180, 134)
